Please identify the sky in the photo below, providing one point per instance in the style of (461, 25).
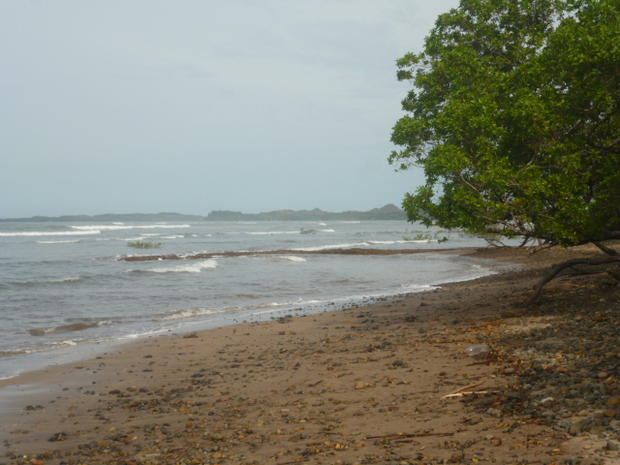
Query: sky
(199, 105)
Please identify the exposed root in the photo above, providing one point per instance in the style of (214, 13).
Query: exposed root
(607, 264)
(604, 248)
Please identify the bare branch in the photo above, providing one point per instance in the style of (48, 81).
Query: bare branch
(557, 269)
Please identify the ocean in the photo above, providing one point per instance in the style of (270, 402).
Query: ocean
(66, 292)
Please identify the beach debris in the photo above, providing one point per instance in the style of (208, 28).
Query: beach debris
(477, 350)
(465, 391)
(58, 437)
(33, 407)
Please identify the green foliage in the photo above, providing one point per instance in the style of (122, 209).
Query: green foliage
(513, 115)
(144, 244)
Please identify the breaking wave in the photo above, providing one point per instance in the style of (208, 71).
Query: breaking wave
(270, 233)
(404, 241)
(39, 282)
(292, 258)
(185, 268)
(50, 233)
(74, 241)
(119, 227)
(333, 246)
(66, 328)
(197, 312)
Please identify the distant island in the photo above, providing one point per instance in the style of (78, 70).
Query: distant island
(387, 212)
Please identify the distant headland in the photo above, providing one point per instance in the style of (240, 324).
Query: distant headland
(387, 212)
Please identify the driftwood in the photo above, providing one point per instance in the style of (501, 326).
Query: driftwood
(578, 266)
(461, 389)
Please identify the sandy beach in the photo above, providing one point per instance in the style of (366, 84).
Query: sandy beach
(389, 383)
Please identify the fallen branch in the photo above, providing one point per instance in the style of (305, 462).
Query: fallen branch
(464, 388)
(397, 436)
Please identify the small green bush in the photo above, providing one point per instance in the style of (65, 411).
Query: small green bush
(144, 244)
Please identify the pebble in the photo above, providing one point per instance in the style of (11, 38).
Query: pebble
(58, 437)
(613, 401)
(494, 412)
(612, 444)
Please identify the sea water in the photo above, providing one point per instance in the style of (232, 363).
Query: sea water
(65, 289)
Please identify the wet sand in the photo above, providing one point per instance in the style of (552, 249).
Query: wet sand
(364, 385)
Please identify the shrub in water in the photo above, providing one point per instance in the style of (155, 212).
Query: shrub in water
(144, 244)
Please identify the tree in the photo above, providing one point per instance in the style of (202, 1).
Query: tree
(514, 116)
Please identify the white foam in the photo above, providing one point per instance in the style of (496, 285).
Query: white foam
(68, 342)
(333, 246)
(75, 241)
(174, 236)
(69, 279)
(327, 230)
(182, 314)
(188, 268)
(143, 334)
(322, 224)
(49, 233)
(421, 241)
(292, 258)
(118, 227)
(197, 312)
(269, 233)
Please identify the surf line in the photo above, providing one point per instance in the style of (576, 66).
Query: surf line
(351, 251)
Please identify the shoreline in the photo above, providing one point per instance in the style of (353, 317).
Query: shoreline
(74, 352)
(319, 388)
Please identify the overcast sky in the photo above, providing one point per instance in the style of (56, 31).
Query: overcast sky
(197, 105)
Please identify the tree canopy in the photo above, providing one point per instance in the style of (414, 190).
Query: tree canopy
(514, 116)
